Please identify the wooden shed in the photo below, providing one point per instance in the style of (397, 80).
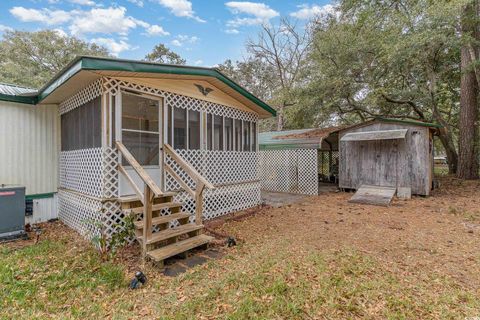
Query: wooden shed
(388, 153)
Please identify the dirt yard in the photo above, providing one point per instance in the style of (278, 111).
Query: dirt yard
(323, 258)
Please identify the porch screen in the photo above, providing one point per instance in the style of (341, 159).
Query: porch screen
(81, 127)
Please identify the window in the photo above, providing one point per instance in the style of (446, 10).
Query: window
(209, 131)
(254, 136)
(246, 136)
(218, 133)
(140, 128)
(228, 134)
(238, 135)
(169, 126)
(81, 127)
(180, 128)
(193, 129)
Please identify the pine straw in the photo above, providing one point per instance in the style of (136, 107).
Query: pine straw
(321, 259)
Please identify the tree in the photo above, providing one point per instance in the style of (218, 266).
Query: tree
(33, 58)
(284, 49)
(468, 144)
(389, 58)
(162, 54)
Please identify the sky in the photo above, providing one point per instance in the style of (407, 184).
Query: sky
(205, 32)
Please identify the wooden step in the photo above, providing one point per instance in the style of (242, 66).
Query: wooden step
(173, 232)
(155, 207)
(178, 247)
(134, 197)
(164, 219)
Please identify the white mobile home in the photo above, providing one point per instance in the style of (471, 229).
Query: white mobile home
(135, 137)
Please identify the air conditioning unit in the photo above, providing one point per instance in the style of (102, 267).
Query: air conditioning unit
(12, 212)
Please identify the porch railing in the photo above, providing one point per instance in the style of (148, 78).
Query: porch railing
(200, 182)
(151, 190)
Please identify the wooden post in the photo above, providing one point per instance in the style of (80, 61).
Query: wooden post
(199, 203)
(147, 218)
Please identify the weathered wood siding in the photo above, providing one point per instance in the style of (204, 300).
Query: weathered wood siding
(393, 163)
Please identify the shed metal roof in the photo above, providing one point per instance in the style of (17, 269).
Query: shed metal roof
(375, 135)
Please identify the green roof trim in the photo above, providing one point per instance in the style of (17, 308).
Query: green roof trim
(40, 196)
(412, 122)
(109, 64)
(19, 99)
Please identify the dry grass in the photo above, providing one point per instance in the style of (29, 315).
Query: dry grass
(321, 259)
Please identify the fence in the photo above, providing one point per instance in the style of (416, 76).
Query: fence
(293, 171)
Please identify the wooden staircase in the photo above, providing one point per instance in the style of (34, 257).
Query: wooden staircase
(158, 239)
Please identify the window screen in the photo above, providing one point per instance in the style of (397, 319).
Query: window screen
(180, 128)
(193, 129)
(238, 135)
(218, 133)
(81, 127)
(246, 136)
(229, 134)
(209, 131)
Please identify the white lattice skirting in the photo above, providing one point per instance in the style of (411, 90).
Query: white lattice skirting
(293, 171)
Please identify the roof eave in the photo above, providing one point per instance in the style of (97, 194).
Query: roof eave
(91, 64)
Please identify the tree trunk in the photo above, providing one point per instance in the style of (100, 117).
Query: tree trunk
(280, 118)
(452, 156)
(468, 123)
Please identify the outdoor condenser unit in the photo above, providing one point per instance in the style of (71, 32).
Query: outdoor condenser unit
(12, 212)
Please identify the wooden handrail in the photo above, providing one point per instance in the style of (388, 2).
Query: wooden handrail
(139, 169)
(201, 182)
(194, 174)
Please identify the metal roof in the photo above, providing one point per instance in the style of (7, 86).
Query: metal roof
(271, 140)
(14, 90)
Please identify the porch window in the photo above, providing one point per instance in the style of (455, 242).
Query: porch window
(228, 134)
(218, 133)
(81, 127)
(180, 128)
(246, 135)
(209, 131)
(140, 130)
(193, 129)
(238, 135)
(254, 136)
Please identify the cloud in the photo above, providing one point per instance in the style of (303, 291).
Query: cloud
(137, 2)
(257, 13)
(60, 32)
(181, 39)
(109, 20)
(83, 2)
(232, 31)
(115, 47)
(4, 28)
(112, 20)
(307, 12)
(180, 8)
(46, 16)
(199, 62)
(156, 30)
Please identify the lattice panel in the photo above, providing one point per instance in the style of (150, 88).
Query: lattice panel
(113, 86)
(82, 171)
(327, 165)
(218, 167)
(293, 171)
(85, 95)
(80, 213)
(110, 173)
(223, 200)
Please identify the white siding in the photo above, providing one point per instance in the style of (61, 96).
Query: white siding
(43, 210)
(29, 146)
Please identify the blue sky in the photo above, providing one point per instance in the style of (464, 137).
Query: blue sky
(205, 32)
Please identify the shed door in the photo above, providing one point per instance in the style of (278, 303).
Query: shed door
(378, 163)
(140, 126)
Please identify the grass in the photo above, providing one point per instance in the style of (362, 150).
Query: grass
(273, 281)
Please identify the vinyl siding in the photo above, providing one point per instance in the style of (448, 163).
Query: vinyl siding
(29, 146)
